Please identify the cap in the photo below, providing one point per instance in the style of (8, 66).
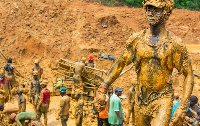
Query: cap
(167, 4)
(193, 98)
(118, 89)
(63, 89)
(90, 58)
(45, 82)
(12, 116)
(18, 91)
(83, 59)
(37, 61)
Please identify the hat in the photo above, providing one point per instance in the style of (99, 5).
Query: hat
(45, 82)
(12, 116)
(37, 61)
(63, 89)
(83, 59)
(2, 75)
(18, 91)
(193, 98)
(90, 58)
(118, 89)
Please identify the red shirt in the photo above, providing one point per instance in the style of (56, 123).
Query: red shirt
(6, 82)
(45, 95)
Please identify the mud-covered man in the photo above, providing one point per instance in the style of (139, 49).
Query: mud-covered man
(22, 117)
(64, 107)
(43, 104)
(10, 70)
(5, 89)
(155, 52)
(35, 88)
(131, 103)
(38, 68)
(79, 110)
(79, 69)
(90, 62)
(21, 101)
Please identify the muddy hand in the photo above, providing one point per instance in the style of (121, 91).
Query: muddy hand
(101, 97)
(178, 117)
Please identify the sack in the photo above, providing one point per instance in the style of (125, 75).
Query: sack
(10, 108)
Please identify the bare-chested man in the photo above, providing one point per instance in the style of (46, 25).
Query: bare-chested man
(38, 68)
(78, 85)
(131, 103)
(5, 87)
(10, 70)
(155, 52)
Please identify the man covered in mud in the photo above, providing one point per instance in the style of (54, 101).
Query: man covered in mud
(79, 110)
(10, 70)
(38, 68)
(21, 101)
(131, 103)
(22, 117)
(79, 69)
(64, 107)
(35, 89)
(154, 52)
(43, 103)
(5, 88)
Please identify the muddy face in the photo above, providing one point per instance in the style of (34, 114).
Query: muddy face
(154, 15)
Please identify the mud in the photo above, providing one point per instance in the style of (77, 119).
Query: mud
(49, 30)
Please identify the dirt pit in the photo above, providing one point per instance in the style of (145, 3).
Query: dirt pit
(49, 30)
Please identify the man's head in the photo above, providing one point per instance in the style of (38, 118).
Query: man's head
(1, 107)
(12, 116)
(158, 11)
(91, 59)
(44, 83)
(83, 59)
(2, 76)
(110, 90)
(9, 60)
(118, 91)
(193, 100)
(63, 91)
(35, 74)
(19, 91)
(37, 62)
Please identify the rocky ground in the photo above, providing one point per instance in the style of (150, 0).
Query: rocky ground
(53, 29)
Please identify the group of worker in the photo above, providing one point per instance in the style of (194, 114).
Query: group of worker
(38, 94)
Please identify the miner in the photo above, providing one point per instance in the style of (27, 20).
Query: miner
(5, 88)
(44, 100)
(21, 101)
(38, 68)
(64, 107)
(79, 69)
(155, 52)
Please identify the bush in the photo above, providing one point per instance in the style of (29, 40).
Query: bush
(181, 4)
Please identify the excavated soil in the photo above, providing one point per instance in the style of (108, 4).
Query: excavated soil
(53, 29)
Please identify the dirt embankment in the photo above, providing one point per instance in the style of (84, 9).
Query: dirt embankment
(49, 30)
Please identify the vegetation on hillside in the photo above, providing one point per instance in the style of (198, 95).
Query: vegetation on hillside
(181, 4)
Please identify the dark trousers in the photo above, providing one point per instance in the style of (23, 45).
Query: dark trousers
(102, 121)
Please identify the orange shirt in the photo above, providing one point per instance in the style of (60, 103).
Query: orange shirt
(104, 113)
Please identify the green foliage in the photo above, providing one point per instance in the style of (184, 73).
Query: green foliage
(181, 4)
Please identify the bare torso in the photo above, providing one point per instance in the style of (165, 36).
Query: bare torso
(79, 67)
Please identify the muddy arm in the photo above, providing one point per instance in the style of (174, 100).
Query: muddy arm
(183, 64)
(125, 59)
